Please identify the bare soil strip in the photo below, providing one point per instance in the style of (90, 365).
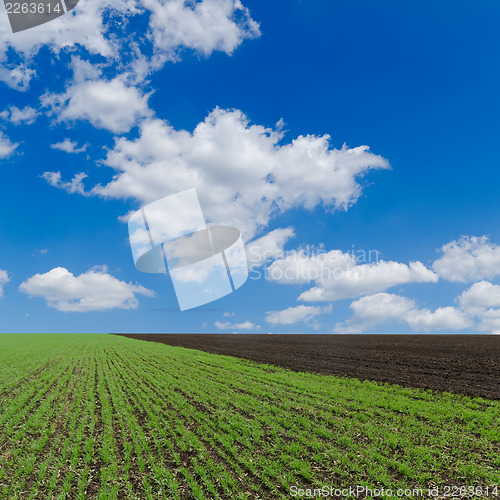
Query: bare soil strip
(462, 364)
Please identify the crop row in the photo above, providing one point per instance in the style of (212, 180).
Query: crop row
(96, 416)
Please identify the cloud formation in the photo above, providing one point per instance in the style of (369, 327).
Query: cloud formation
(94, 290)
(113, 104)
(246, 325)
(6, 146)
(366, 279)
(16, 116)
(242, 173)
(4, 278)
(381, 308)
(298, 267)
(296, 314)
(482, 300)
(268, 247)
(162, 29)
(205, 27)
(470, 258)
(336, 275)
(69, 147)
(479, 297)
(75, 185)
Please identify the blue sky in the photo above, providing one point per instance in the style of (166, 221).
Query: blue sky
(221, 96)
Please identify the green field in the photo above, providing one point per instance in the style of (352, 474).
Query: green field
(100, 416)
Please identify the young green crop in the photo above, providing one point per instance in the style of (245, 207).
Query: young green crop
(107, 417)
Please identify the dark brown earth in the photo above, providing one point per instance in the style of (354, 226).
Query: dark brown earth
(463, 364)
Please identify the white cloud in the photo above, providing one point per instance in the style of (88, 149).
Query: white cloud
(16, 116)
(75, 185)
(95, 290)
(374, 309)
(69, 146)
(113, 105)
(443, 318)
(6, 147)
(242, 174)
(269, 246)
(4, 278)
(42, 251)
(246, 325)
(207, 26)
(471, 258)
(296, 314)
(110, 105)
(298, 267)
(171, 25)
(490, 321)
(381, 308)
(367, 279)
(82, 27)
(336, 275)
(482, 300)
(16, 76)
(479, 297)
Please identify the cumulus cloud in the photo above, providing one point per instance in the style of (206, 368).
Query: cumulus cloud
(242, 174)
(206, 26)
(480, 296)
(113, 105)
(246, 325)
(84, 27)
(296, 314)
(375, 309)
(470, 258)
(4, 278)
(443, 318)
(381, 308)
(15, 76)
(482, 300)
(479, 310)
(489, 322)
(299, 267)
(17, 116)
(6, 146)
(161, 28)
(367, 279)
(69, 146)
(336, 275)
(269, 246)
(466, 259)
(95, 290)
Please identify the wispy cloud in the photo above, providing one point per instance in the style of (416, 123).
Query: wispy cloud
(6, 146)
(246, 325)
(69, 146)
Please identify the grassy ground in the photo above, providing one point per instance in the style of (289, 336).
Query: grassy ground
(97, 416)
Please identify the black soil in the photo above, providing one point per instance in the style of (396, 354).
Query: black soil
(463, 364)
